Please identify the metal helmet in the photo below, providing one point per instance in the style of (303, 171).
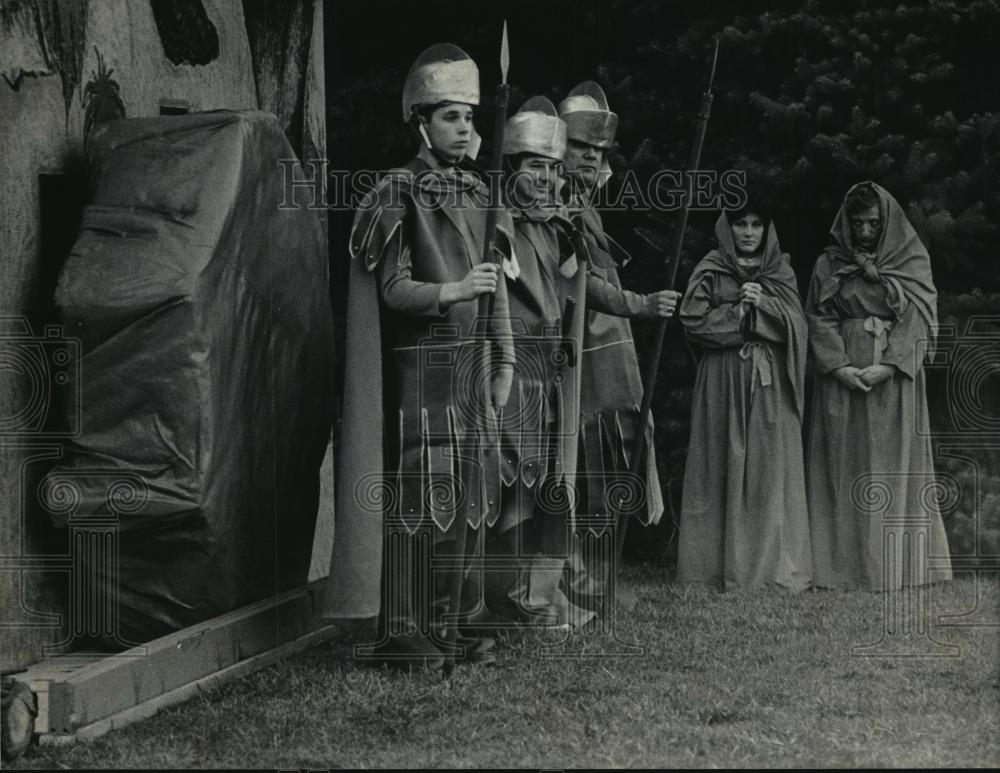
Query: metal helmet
(442, 73)
(588, 117)
(536, 128)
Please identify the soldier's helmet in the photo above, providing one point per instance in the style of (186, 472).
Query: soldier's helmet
(442, 73)
(588, 117)
(536, 128)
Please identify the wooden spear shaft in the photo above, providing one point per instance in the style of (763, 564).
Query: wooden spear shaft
(485, 311)
(652, 367)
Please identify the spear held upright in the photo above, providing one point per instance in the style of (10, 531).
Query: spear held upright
(639, 448)
(485, 311)
(496, 159)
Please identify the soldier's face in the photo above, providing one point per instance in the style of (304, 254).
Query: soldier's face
(449, 130)
(537, 177)
(866, 227)
(583, 162)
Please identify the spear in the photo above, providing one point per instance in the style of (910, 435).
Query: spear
(496, 160)
(485, 311)
(639, 446)
(572, 425)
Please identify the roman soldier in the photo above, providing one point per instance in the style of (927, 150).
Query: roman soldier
(543, 412)
(416, 454)
(611, 389)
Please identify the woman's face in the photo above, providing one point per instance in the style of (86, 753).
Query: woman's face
(866, 227)
(449, 130)
(583, 161)
(536, 181)
(748, 232)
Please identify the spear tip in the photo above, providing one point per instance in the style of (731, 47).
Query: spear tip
(504, 54)
(715, 61)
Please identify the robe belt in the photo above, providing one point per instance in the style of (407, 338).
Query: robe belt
(761, 354)
(879, 329)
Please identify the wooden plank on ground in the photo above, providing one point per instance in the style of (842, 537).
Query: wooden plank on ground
(40, 676)
(96, 690)
(149, 708)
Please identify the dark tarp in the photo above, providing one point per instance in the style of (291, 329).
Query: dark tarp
(204, 315)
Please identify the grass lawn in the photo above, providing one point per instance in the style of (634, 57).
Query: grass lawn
(723, 680)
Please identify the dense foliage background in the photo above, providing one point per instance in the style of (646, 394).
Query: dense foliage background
(811, 97)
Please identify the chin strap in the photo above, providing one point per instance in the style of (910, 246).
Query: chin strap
(475, 141)
(427, 140)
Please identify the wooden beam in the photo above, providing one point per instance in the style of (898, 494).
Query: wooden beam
(151, 707)
(80, 690)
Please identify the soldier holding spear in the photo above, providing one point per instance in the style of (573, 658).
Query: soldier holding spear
(415, 466)
(540, 425)
(611, 384)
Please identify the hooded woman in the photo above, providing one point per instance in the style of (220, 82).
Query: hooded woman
(414, 458)
(744, 523)
(871, 307)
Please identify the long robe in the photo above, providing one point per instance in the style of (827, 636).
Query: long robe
(870, 472)
(410, 452)
(744, 522)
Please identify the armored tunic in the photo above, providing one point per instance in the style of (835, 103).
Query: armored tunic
(543, 407)
(539, 313)
(611, 389)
